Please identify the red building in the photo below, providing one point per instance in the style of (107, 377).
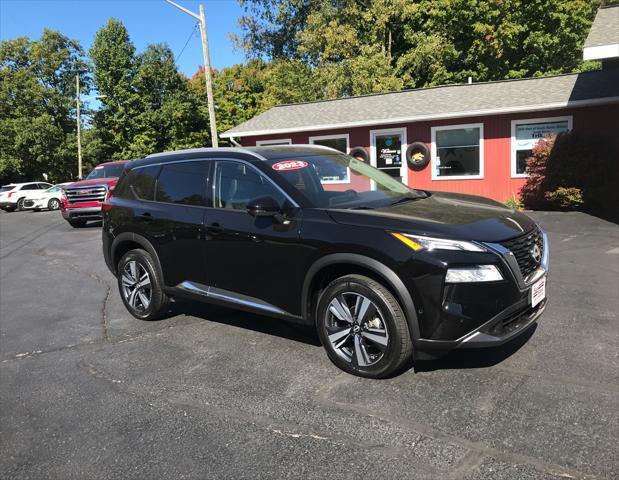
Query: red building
(476, 135)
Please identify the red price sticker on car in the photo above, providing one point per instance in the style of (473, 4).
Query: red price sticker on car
(289, 165)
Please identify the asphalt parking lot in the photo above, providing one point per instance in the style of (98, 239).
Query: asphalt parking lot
(86, 391)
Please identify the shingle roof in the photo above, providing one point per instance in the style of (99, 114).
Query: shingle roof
(451, 101)
(605, 28)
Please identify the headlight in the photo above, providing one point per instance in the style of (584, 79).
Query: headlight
(474, 273)
(417, 242)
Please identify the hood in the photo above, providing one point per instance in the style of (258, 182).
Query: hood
(92, 182)
(446, 215)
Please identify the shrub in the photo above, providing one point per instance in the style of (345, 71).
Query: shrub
(513, 203)
(565, 197)
(572, 170)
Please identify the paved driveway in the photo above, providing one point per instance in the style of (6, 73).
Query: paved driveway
(87, 391)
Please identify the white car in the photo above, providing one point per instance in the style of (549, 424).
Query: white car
(39, 200)
(12, 195)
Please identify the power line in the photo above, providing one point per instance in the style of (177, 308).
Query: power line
(193, 30)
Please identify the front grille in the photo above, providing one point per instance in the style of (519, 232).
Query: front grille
(522, 248)
(96, 193)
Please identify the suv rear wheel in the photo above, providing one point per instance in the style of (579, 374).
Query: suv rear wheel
(362, 327)
(140, 286)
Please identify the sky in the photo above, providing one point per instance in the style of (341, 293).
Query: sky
(148, 21)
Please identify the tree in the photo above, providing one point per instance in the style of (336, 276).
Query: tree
(114, 69)
(148, 105)
(366, 46)
(37, 106)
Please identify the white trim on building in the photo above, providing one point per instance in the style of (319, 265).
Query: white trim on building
(279, 141)
(335, 136)
(390, 131)
(601, 52)
(433, 164)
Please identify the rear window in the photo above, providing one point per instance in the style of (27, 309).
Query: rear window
(183, 182)
(138, 183)
(7, 188)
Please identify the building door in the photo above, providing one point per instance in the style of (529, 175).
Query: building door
(388, 152)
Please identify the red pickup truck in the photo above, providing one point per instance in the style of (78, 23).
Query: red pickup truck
(81, 201)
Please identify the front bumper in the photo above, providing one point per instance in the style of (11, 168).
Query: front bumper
(472, 315)
(87, 213)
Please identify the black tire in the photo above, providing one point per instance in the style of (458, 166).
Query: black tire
(360, 153)
(417, 156)
(20, 204)
(390, 317)
(158, 305)
(53, 204)
(77, 223)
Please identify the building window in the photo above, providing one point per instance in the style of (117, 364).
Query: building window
(526, 134)
(335, 173)
(279, 141)
(458, 152)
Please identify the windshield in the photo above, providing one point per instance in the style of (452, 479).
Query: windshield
(336, 180)
(6, 188)
(106, 171)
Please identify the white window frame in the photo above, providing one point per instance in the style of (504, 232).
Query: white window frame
(433, 149)
(513, 149)
(334, 137)
(279, 141)
(390, 131)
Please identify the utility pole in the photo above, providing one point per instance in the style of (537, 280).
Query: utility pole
(79, 128)
(207, 67)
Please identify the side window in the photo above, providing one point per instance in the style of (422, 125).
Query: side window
(236, 184)
(138, 183)
(30, 186)
(183, 182)
(44, 186)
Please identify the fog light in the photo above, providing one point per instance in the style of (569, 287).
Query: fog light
(475, 273)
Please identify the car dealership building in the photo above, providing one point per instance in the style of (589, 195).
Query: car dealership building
(472, 138)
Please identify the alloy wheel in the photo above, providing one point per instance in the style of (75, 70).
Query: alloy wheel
(136, 286)
(54, 204)
(356, 329)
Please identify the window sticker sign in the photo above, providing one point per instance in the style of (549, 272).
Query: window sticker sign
(289, 165)
(527, 135)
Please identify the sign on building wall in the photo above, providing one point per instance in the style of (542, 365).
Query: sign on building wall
(527, 135)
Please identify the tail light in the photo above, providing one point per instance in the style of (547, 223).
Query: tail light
(10, 193)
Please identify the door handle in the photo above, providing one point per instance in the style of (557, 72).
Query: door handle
(146, 216)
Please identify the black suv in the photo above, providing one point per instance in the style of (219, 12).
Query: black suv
(384, 272)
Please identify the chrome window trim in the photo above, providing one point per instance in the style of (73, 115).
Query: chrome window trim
(217, 159)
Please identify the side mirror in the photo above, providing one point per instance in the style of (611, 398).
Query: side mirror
(263, 207)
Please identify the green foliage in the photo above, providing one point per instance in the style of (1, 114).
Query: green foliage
(148, 106)
(399, 43)
(513, 203)
(566, 197)
(37, 106)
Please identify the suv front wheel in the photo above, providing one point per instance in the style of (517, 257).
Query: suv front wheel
(363, 327)
(140, 286)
